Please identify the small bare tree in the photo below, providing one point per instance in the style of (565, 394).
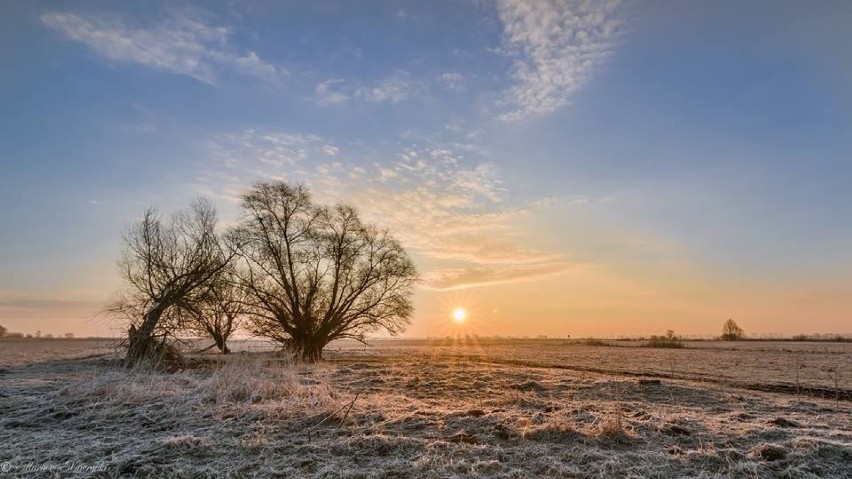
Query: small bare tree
(220, 312)
(314, 274)
(166, 265)
(731, 331)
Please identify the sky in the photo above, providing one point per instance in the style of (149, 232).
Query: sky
(556, 167)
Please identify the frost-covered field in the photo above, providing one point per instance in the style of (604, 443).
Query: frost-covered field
(818, 368)
(15, 352)
(431, 409)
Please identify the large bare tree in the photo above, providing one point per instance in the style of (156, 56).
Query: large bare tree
(167, 265)
(314, 274)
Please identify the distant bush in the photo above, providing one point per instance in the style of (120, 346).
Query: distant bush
(731, 331)
(824, 338)
(3, 331)
(667, 341)
(595, 342)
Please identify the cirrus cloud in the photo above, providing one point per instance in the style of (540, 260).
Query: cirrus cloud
(181, 43)
(556, 46)
(452, 211)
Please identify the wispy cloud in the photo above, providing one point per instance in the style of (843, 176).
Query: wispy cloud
(392, 90)
(556, 45)
(396, 88)
(242, 159)
(9, 305)
(24, 306)
(453, 80)
(180, 44)
(451, 210)
(474, 276)
(329, 92)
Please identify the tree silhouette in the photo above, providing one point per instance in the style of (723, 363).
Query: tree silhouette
(166, 265)
(731, 331)
(220, 311)
(314, 274)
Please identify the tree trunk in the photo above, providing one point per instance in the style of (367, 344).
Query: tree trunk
(309, 349)
(141, 344)
(221, 343)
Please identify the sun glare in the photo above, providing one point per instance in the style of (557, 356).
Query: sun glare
(459, 315)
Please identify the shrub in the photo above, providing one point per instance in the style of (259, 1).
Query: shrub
(667, 341)
(731, 331)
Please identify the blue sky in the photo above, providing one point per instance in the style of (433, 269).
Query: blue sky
(602, 167)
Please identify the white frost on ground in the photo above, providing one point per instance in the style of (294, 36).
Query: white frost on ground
(419, 412)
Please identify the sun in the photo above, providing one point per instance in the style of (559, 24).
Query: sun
(459, 315)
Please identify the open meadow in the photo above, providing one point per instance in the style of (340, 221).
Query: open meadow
(17, 352)
(442, 408)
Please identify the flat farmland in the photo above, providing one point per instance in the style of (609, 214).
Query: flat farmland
(448, 408)
(16, 352)
(815, 367)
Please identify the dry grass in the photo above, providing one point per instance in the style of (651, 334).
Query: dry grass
(153, 415)
(408, 413)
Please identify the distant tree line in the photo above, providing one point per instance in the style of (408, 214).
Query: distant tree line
(670, 340)
(5, 333)
(290, 270)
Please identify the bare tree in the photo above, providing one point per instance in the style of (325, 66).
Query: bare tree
(314, 274)
(166, 266)
(731, 331)
(220, 312)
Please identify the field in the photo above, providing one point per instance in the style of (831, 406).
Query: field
(443, 408)
(17, 352)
